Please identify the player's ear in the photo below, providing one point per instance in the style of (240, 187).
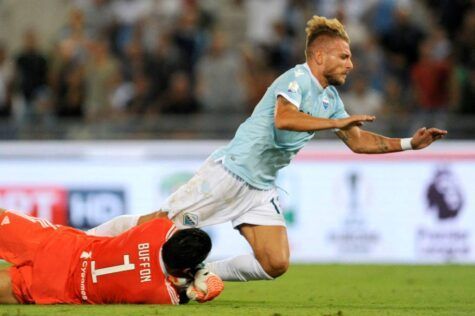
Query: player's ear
(318, 55)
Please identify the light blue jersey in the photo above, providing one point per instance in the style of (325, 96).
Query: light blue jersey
(259, 150)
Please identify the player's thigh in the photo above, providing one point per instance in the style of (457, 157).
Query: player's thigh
(6, 290)
(270, 245)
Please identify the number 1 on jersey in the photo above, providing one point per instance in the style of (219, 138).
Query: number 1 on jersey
(127, 266)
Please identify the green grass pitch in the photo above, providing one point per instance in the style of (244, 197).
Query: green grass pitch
(320, 290)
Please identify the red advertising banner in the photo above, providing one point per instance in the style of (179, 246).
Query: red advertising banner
(46, 202)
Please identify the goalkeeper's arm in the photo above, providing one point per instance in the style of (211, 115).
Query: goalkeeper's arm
(120, 224)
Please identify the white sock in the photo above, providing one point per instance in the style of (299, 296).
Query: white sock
(241, 268)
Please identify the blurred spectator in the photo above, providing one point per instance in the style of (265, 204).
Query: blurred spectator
(5, 83)
(354, 9)
(465, 41)
(280, 52)
(75, 35)
(164, 61)
(180, 97)
(127, 13)
(355, 28)
(296, 15)
(98, 16)
(220, 78)
(206, 20)
(466, 89)
(393, 101)
(31, 71)
(67, 81)
(101, 71)
(361, 98)
(133, 97)
(262, 14)
(135, 60)
(380, 16)
(450, 13)
(401, 43)
(232, 21)
(190, 37)
(441, 47)
(431, 81)
(369, 59)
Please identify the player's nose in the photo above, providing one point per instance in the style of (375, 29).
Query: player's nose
(349, 65)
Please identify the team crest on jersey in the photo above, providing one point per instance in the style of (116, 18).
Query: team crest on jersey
(325, 103)
(190, 219)
(293, 87)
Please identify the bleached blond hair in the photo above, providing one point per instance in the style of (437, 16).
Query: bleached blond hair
(320, 26)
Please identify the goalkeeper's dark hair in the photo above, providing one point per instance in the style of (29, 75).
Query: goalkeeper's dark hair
(187, 248)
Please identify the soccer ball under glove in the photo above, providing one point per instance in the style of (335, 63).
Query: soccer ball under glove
(205, 287)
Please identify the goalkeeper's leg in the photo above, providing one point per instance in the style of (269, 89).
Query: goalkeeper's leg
(6, 290)
(270, 259)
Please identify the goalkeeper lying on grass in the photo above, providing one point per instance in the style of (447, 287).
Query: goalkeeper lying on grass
(152, 263)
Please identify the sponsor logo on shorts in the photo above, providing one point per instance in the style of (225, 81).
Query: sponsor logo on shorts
(190, 219)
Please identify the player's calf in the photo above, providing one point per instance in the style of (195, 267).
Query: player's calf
(270, 246)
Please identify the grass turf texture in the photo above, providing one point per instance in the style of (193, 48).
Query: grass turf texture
(321, 290)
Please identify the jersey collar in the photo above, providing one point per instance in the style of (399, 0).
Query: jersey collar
(314, 79)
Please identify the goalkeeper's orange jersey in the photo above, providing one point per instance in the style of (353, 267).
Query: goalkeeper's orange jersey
(57, 264)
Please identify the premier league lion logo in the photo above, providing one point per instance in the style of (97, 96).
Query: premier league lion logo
(444, 195)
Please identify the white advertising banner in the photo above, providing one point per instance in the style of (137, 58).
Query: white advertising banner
(411, 207)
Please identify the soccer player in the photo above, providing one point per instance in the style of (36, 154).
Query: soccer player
(236, 183)
(58, 264)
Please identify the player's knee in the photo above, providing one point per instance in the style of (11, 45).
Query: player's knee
(278, 267)
(275, 265)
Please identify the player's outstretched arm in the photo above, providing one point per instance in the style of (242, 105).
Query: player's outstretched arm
(120, 224)
(288, 117)
(364, 142)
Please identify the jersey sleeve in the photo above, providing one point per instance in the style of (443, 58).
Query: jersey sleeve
(163, 226)
(293, 86)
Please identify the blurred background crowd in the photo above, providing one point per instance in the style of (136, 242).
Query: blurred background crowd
(146, 69)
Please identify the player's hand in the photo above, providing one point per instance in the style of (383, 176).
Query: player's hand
(354, 120)
(424, 137)
(205, 287)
